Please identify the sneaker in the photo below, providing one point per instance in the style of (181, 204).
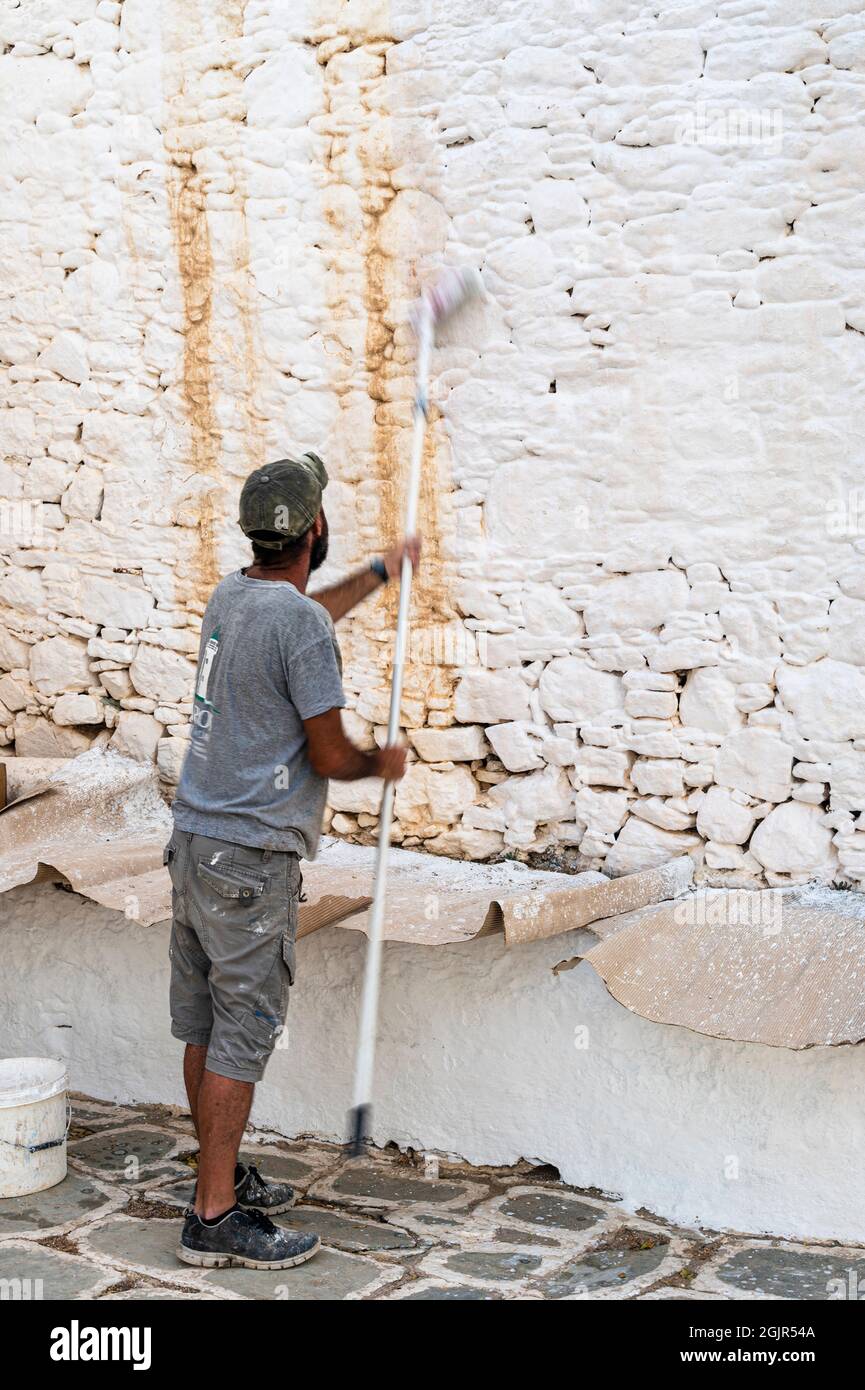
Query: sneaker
(244, 1239)
(255, 1193)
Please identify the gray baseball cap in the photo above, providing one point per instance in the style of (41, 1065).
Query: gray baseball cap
(281, 500)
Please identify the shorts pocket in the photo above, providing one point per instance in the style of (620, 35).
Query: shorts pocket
(289, 959)
(232, 881)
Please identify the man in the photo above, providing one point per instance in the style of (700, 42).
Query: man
(267, 734)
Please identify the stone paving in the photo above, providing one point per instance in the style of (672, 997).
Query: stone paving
(391, 1227)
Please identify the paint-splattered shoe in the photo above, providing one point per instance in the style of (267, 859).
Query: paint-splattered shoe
(243, 1239)
(255, 1193)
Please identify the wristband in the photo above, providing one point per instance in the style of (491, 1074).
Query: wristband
(379, 567)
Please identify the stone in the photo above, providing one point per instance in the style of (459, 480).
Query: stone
(74, 1199)
(117, 683)
(66, 355)
(59, 664)
(539, 796)
(14, 654)
(708, 702)
(652, 704)
(362, 795)
(644, 846)
(768, 1272)
(137, 736)
(466, 842)
(571, 689)
(639, 602)
(162, 675)
(77, 709)
(16, 692)
(603, 767)
(427, 794)
(684, 654)
(826, 699)
(459, 743)
(170, 755)
(519, 745)
(115, 602)
(757, 762)
(488, 697)
(56, 1275)
(659, 777)
(721, 817)
(83, 496)
(358, 729)
(793, 838)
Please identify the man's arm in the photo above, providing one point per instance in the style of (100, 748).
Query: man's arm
(339, 599)
(332, 754)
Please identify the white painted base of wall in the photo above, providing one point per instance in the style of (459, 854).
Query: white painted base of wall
(477, 1058)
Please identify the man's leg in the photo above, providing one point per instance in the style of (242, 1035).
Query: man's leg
(223, 1109)
(193, 1070)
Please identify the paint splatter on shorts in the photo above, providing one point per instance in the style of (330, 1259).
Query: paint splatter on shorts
(232, 949)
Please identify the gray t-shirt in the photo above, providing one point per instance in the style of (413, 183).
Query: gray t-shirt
(269, 659)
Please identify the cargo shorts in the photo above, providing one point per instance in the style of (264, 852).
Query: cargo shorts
(232, 949)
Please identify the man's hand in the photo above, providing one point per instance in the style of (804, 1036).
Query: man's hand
(411, 547)
(333, 754)
(391, 762)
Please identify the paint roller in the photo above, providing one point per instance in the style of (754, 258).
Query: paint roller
(438, 302)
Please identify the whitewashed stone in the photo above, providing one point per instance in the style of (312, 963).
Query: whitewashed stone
(60, 664)
(537, 797)
(794, 839)
(708, 702)
(659, 777)
(114, 602)
(66, 355)
(571, 689)
(724, 819)
(162, 675)
(635, 601)
(603, 767)
(684, 654)
(651, 704)
(83, 496)
(643, 846)
(827, 699)
(757, 762)
(488, 697)
(459, 743)
(518, 745)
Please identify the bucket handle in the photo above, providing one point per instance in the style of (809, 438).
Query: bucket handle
(49, 1143)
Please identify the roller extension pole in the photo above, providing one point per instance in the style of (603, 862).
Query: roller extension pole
(435, 305)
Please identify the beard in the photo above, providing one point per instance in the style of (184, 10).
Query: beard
(318, 549)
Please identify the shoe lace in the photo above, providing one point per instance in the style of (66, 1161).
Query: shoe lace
(259, 1220)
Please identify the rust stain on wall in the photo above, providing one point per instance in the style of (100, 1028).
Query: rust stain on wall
(184, 135)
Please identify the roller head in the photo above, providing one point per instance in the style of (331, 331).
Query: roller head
(447, 294)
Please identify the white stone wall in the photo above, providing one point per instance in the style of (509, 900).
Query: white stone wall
(640, 624)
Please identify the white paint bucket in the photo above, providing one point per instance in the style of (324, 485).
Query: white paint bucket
(33, 1124)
